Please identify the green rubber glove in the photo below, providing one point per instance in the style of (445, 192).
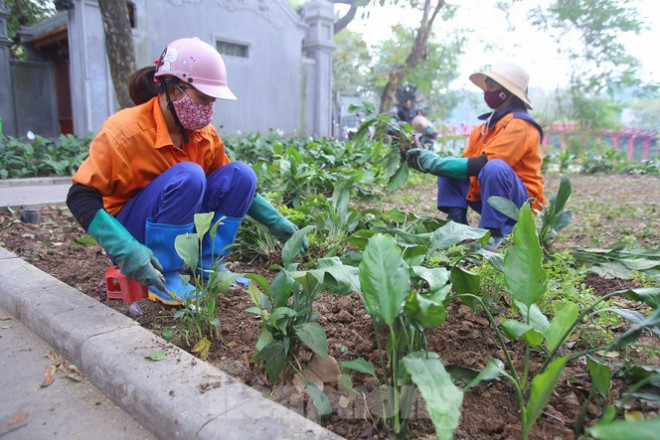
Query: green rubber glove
(134, 259)
(429, 162)
(263, 212)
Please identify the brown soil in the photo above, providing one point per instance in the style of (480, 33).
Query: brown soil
(490, 411)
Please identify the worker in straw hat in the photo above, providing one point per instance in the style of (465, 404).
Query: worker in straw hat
(503, 156)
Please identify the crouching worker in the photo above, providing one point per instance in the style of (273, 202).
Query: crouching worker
(503, 157)
(152, 167)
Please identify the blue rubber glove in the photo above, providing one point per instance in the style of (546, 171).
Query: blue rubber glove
(263, 212)
(428, 162)
(134, 259)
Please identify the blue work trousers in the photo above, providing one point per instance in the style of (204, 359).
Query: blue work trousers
(496, 178)
(183, 190)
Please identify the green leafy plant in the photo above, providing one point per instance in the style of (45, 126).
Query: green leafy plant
(526, 281)
(402, 309)
(40, 156)
(198, 320)
(553, 217)
(286, 309)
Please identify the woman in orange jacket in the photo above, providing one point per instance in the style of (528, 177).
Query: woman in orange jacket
(503, 157)
(152, 167)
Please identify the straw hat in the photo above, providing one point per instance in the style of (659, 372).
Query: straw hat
(510, 76)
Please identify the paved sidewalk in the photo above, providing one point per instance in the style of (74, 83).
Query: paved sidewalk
(180, 397)
(33, 193)
(67, 409)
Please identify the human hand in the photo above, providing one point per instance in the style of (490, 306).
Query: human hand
(138, 263)
(283, 229)
(420, 159)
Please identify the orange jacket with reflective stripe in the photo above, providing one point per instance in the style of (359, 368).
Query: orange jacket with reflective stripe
(134, 147)
(518, 143)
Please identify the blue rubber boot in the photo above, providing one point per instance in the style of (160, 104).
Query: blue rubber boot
(159, 237)
(213, 251)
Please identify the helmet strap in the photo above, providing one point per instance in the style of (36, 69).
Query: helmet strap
(164, 86)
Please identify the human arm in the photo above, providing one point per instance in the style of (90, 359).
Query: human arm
(511, 143)
(452, 167)
(263, 212)
(135, 260)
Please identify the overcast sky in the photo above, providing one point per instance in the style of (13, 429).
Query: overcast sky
(527, 46)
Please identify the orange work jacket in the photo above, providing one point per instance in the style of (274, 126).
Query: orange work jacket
(134, 147)
(516, 142)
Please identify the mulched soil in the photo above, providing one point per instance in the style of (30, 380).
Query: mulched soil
(490, 411)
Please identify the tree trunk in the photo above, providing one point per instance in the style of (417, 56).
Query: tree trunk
(119, 45)
(416, 54)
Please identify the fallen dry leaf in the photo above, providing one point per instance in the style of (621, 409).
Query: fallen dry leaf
(6, 318)
(18, 419)
(49, 376)
(74, 373)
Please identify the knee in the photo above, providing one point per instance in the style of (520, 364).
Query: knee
(494, 168)
(242, 176)
(189, 176)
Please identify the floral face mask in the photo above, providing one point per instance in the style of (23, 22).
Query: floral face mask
(193, 116)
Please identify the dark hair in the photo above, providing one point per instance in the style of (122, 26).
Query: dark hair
(141, 85)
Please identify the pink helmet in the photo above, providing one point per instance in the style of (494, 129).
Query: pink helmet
(196, 63)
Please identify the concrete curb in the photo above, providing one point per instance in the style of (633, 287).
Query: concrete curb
(180, 397)
(34, 181)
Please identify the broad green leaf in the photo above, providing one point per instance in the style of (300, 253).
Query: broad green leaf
(563, 219)
(203, 224)
(255, 294)
(505, 206)
(523, 263)
(280, 289)
(273, 356)
(360, 365)
(399, 178)
(313, 336)
(187, 246)
(156, 356)
(293, 245)
(462, 282)
(260, 280)
(560, 325)
(515, 330)
(341, 197)
(636, 373)
(319, 399)
(279, 318)
(563, 193)
(534, 317)
(428, 313)
(346, 278)
(651, 322)
(265, 338)
(625, 430)
(601, 375)
(495, 259)
(436, 277)
(454, 233)
(384, 278)
(490, 372)
(649, 296)
(443, 399)
(542, 387)
(224, 279)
